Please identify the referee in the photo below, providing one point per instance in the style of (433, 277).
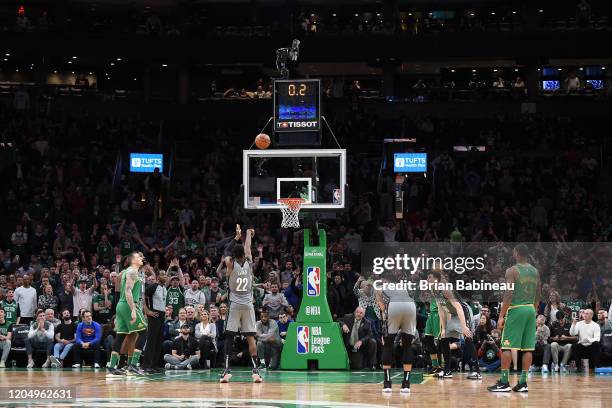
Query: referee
(155, 305)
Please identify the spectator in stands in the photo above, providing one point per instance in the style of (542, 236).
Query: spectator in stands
(358, 340)
(589, 336)
(11, 307)
(553, 306)
(50, 317)
(274, 301)
(185, 352)
(64, 337)
(40, 337)
(499, 83)
(88, 337)
(268, 341)
(82, 297)
(283, 325)
(19, 240)
(6, 333)
(572, 82)
(193, 295)
(583, 14)
(206, 334)
(602, 319)
(482, 330)
(174, 330)
(25, 296)
(490, 352)
(561, 341)
(542, 346)
(48, 300)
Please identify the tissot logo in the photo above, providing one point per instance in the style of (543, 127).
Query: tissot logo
(309, 124)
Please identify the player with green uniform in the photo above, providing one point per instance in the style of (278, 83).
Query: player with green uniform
(432, 332)
(518, 318)
(129, 318)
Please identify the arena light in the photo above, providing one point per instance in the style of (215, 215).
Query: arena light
(118, 59)
(74, 57)
(164, 65)
(603, 67)
(494, 69)
(8, 54)
(70, 62)
(112, 64)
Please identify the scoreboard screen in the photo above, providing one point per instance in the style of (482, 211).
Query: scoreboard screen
(297, 105)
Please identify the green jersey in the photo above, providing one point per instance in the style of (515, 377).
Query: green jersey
(11, 311)
(433, 305)
(5, 328)
(176, 299)
(136, 289)
(525, 286)
(575, 305)
(126, 246)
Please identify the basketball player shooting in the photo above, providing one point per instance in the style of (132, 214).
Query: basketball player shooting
(241, 318)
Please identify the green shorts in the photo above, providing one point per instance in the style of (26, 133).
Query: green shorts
(123, 319)
(432, 325)
(519, 331)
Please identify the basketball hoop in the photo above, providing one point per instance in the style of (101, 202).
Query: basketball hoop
(290, 207)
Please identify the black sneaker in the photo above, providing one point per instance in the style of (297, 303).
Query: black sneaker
(133, 370)
(433, 370)
(500, 387)
(520, 387)
(474, 376)
(115, 373)
(405, 387)
(262, 366)
(387, 386)
(225, 376)
(445, 374)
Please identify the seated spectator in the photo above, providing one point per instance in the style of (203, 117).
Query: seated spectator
(40, 337)
(561, 341)
(185, 353)
(64, 336)
(589, 335)
(542, 348)
(48, 300)
(206, 333)
(358, 340)
(50, 317)
(283, 325)
(489, 352)
(268, 341)
(602, 319)
(6, 332)
(274, 301)
(10, 307)
(88, 337)
(482, 330)
(174, 330)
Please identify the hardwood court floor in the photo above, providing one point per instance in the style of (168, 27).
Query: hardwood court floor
(303, 389)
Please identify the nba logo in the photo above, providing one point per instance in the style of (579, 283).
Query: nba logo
(303, 340)
(136, 162)
(314, 281)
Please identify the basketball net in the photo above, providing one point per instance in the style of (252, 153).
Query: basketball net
(290, 208)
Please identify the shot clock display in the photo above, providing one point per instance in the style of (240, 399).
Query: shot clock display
(296, 105)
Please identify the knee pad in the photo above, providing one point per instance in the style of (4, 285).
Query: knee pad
(387, 354)
(407, 353)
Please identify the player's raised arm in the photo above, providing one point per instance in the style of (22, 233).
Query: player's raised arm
(229, 266)
(247, 244)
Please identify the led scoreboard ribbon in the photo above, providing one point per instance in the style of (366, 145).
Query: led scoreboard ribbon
(297, 105)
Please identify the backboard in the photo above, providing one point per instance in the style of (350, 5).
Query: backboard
(316, 175)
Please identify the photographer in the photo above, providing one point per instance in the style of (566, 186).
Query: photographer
(490, 352)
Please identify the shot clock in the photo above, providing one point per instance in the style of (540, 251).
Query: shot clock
(297, 105)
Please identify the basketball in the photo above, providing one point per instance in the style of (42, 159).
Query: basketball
(262, 141)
